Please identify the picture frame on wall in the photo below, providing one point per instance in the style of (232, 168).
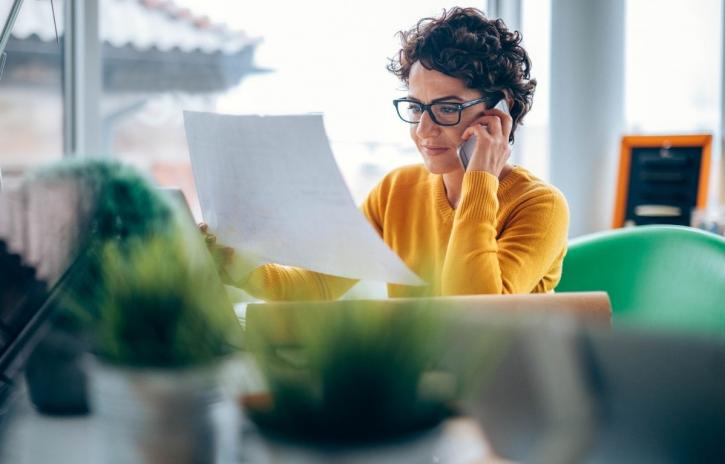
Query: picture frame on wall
(661, 179)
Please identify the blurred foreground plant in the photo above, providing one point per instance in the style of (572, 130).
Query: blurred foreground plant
(361, 371)
(160, 309)
(144, 288)
(122, 204)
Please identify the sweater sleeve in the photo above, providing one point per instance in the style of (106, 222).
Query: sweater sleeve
(479, 262)
(274, 282)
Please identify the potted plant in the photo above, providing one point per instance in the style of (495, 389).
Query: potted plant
(113, 202)
(163, 338)
(145, 298)
(358, 381)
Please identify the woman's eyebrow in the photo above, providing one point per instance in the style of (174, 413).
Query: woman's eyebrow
(449, 97)
(446, 98)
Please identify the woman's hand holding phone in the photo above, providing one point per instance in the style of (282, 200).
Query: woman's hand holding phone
(486, 147)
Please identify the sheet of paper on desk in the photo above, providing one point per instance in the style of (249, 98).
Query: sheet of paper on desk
(269, 187)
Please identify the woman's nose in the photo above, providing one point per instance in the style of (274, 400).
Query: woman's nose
(425, 125)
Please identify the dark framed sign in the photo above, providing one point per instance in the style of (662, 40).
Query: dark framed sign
(661, 179)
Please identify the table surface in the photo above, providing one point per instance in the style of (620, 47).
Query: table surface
(31, 438)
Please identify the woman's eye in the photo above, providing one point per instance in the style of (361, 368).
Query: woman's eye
(413, 108)
(448, 109)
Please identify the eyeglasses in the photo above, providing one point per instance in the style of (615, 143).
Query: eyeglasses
(442, 113)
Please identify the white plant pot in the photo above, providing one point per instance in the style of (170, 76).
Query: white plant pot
(164, 416)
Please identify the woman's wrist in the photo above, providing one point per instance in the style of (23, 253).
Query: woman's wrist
(478, 195)
(237, 271)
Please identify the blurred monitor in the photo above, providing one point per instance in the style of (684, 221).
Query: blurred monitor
(616, 396)
(660, 397)
(179, 200)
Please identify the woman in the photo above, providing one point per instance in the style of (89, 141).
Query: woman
(493, 228)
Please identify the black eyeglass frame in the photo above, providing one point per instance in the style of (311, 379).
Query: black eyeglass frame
(428, 108)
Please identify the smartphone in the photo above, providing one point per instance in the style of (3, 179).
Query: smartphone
(465, 151)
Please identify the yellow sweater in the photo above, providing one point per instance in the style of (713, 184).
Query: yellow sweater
(504, 237)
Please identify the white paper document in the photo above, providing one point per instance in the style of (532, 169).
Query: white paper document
(269, 187)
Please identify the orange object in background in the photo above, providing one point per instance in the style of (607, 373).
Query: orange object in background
(661, 179)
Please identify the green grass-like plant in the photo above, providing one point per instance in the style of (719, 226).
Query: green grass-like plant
(159, 309)
(356, 374)
(124, 205)
(144, 289)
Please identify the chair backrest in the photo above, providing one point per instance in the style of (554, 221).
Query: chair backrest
(668, 277)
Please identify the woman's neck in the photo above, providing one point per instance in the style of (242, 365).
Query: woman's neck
(453, 182)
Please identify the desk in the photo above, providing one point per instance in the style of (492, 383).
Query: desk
(30, 438)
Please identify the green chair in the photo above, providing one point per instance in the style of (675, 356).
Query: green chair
(660, 277)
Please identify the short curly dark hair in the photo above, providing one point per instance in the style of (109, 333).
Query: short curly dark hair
(483, 53)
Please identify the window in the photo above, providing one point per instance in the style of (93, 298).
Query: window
(305, 60)
(160, 58)
(31, 96)
(673, 65)
(533, 149)
(673, 70)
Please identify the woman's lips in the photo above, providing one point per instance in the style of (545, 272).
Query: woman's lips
(432, 151)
